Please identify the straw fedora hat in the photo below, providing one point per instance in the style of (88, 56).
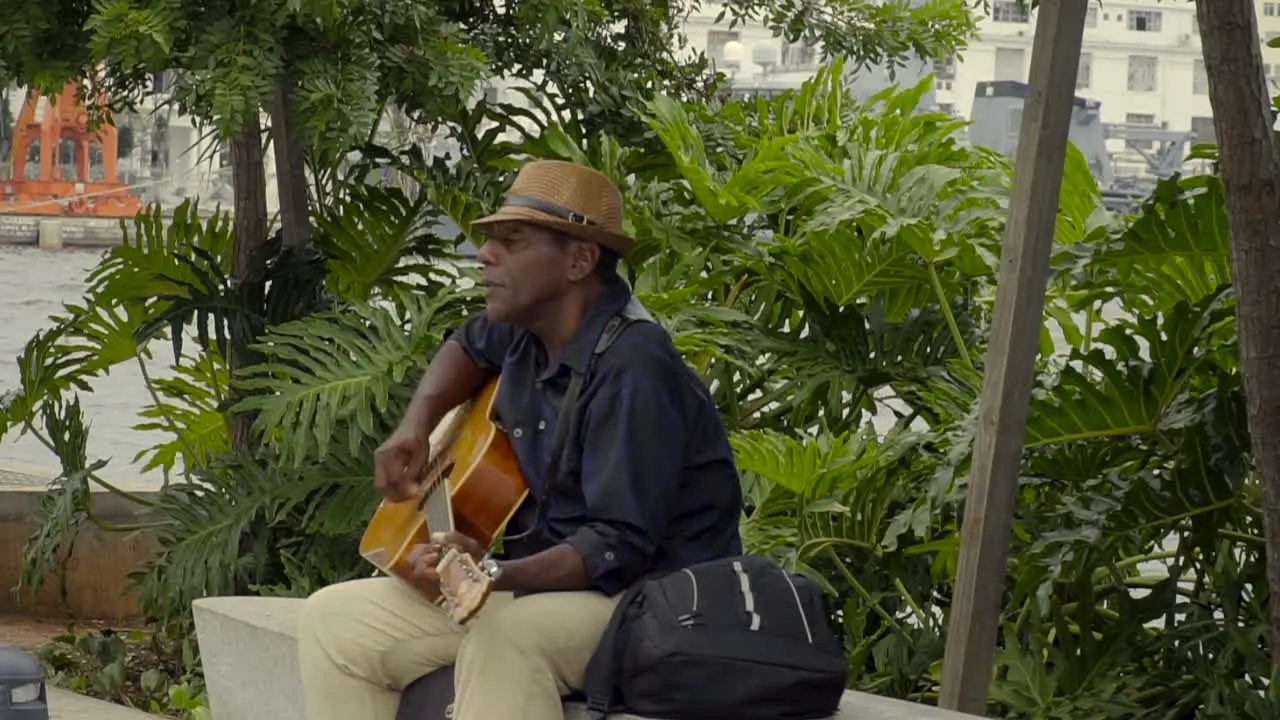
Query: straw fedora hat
(568, 198)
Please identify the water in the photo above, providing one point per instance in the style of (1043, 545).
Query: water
(34, 284)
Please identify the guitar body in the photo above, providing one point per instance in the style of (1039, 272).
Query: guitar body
(472, 484)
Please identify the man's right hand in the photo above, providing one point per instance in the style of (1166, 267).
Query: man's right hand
(398, 464)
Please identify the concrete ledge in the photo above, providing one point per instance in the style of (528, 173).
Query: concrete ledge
(66, 705)
(97, 570)
(249, 652)
(248, 647)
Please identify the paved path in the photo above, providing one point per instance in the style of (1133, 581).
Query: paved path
(18, 479)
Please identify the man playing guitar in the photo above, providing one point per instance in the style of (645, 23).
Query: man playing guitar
(647, 483)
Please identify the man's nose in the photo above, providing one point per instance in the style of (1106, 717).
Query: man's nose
(485, 255)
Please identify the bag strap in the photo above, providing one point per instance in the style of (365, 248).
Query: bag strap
(633, 312)
(601, 674)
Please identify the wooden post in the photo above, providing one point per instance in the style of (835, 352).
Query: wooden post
(1011, 356)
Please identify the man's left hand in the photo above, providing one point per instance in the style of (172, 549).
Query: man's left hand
(463, 543)
(425, 558)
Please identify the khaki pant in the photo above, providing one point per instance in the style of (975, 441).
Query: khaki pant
(361, 642)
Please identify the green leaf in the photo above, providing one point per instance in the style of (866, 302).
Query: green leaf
(335, 372)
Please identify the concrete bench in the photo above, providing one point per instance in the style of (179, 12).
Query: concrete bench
(248, 646)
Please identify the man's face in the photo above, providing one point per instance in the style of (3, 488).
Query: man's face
(527, 268)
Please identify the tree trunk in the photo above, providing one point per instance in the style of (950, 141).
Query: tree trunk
(291, 173)
(1250, 167)
(6, 131)
(250, 233)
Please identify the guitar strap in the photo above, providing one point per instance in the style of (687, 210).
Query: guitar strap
(633, 312)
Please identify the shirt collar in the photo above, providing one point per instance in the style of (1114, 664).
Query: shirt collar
(576, 354)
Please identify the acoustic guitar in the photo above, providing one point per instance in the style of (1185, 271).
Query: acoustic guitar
(472, 484)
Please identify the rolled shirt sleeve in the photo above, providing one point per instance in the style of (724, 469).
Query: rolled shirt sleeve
(486, 343)
(632, 455)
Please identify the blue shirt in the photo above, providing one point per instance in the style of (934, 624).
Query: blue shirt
(648, 482)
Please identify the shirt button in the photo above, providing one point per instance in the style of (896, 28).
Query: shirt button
(608, 555)
(542, 424)
(517, 432)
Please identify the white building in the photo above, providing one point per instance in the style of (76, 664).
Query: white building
(1141, 60)
(755, 60)
(749, 54)
(1269, 29)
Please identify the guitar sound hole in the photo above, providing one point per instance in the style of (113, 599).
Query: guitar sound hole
(436, 479)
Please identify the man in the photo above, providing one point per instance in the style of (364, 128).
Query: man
(648, 484)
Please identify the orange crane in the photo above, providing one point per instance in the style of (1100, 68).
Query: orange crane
(63, 130)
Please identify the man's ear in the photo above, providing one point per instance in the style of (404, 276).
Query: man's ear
(583, 257)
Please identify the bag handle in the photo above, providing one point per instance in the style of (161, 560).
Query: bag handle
(598, 681)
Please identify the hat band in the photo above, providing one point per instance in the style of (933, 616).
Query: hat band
(549, 208)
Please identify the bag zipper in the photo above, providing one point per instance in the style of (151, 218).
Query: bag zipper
(799, 606)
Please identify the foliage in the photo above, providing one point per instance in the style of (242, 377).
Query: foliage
(157, 671)
(828, 266)
(887, 34)
(347, 62)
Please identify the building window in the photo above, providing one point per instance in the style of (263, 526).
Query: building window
(162, 82)
(1203, 129)
(1144, 120)
(945, 69)
(947, 108)
(1084, 75)
(716, 40)
(1011, 64)
(1142, 73)
(1008, 11)
(1091, 17)
(799, 55)
(1145, 20)
(1199, 79)
(1271, 9)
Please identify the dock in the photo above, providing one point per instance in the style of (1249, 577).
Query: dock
(54, 232)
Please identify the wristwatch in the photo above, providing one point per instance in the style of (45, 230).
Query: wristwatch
(491, 568)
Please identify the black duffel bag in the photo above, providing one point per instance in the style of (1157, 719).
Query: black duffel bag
(735, 638)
